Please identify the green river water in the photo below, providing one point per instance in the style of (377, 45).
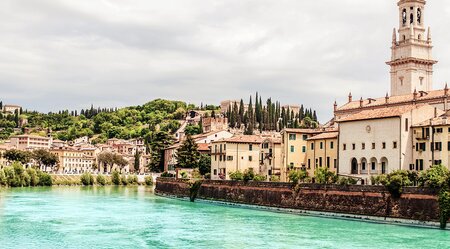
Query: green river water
(114, 217)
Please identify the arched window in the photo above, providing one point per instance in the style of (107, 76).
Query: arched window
(404, 16)
(419, 15)
(411, 18)
(419, 37)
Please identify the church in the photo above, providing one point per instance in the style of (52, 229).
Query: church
(406, 129)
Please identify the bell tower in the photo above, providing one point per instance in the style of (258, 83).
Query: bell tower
(411, 61)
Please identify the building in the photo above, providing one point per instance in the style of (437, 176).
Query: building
(11, 109)
(227, 104)
(30, 142)
(170, 160)
(374, 142)
(322, 151)
(74, 161)
(238, 153)
(431, 143)
(294, 147)
(213, 124)
(271, 157)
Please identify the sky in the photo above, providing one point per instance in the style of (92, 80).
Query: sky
(69, 54)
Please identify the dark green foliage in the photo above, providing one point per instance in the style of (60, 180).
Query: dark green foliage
(157, 142)
(435, 177)
(444, 207)
(137, 161)
(34, 178)
(44, 158)
(204, 164)
(187, 155)
(167, 174)
(395, 182)
(193, 189)
(259, 178)
(248, 175)
(45, 179)
(193, 130)
(101, 180)
(124, 180)
(17, 156)
(87, 179)
(132, 180)
(346, 181)
(115, 178)
(148, 180)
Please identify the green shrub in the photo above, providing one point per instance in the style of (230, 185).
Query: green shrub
(184, 174)
(115, 178)
(196, 174)
(9, 175)
(101, 180)
(3, 181)
(132, 180)
(275, 179)
(167, 174)
(236, 176)
(259, 178)
(208, 176)
(395, 182)
(87, 179)
(149, 180)
(123, 179)
(444, 207)
(34, 178)
(346, 181)
(435, 177)
(325, 176)
(249, 174)
(45, 179)
(26, 179)
(297, 176)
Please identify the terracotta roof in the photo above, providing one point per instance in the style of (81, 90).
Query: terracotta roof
(387, 112)
(442, 120)
(203, 147)
(392, 100)
(241, 139)
(273, 140)
(325, 135)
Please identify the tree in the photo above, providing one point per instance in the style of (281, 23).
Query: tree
(44, 158)
(156, 143)
(187, 155)
(17, 156)
(137, 161)
(204, 164)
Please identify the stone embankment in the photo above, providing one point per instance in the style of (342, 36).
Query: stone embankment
(414, 206)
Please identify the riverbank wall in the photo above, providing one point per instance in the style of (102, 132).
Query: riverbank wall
(415, 204)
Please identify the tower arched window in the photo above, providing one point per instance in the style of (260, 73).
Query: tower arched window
(404, 16)
(419, 15)
(411, 18)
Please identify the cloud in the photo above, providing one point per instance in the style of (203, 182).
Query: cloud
(69, 54)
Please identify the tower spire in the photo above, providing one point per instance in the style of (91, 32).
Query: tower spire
(394, 36)
(429, 34)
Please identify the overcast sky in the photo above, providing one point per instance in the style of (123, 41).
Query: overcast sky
(58, 54)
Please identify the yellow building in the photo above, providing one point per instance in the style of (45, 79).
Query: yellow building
(73, 161)
(237, 153)
(30, 142)
(270, 158)
(322, 151)
(431, 143)
(294, 148)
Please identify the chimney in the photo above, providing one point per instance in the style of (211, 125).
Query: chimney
(350, 98)
(361, 101)
(335, 106)
(387, 98)
(415, 95)
(446, 89)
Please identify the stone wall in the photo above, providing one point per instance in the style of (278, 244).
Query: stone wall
(415, 203)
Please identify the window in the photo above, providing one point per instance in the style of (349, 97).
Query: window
(374, 166)
(328, 162)
(438, 146)
(265, 146)
(331, 145)
(363, 166)
(229, 158)
(363, 146)
(448, 146)
(373, 146)
(438, 130)
(250, 147)
(215, 172)
(309, 163)
(344, 146)
(303, 149)
(220, 158)
(312, 146)
(406, 124)
(394, 145)
(320, 161)
(353, 146)
(291, 165)
(321, 145)
(419, 164)
(305, 137)
(224, 147)
(221, 148)
(383, 145)
(292, 136)
(437, 162)
(421, 147)
(250, 158)
(292, 148)
(335, 163)
(215, 148)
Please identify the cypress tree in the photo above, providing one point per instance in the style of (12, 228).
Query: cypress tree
(241, 113)
(187, 155)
